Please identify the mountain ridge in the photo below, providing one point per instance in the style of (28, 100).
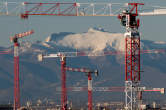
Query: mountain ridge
(39, 80)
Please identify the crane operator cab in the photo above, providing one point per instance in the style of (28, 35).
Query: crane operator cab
(133, 22)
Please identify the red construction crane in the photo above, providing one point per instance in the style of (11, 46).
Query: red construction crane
(14, 39)
(63, 76)
(63, 56)
(129, 19)
(88, 73)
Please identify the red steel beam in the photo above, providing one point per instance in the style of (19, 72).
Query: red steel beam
(58, 9)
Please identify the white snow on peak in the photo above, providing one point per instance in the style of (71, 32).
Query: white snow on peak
(94, 40)
(46, 45)
(48, 39)
(25, 46)
(160, 42)
(28, 47)
(91, 30)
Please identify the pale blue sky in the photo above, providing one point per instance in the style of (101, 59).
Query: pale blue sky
(152, 28)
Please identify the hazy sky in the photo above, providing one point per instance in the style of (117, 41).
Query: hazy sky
(152, 28)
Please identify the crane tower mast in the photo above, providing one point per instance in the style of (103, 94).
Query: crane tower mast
(14, 39)
(132, 56)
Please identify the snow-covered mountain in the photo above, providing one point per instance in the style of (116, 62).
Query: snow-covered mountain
(94, 40)
(40, 79)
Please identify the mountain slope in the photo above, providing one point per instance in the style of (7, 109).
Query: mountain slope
(40, 79)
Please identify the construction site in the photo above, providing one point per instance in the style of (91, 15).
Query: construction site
(64, 68)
